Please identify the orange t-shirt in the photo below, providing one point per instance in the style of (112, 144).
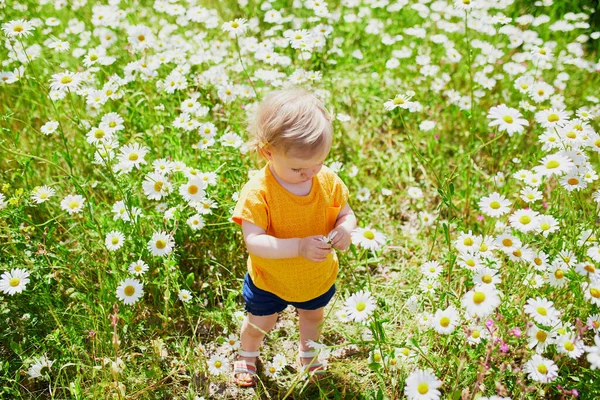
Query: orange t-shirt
(284, 215)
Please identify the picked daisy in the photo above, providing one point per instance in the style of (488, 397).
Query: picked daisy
(541, 369)
(130, 290)
(161, 244)
(507, 119)
(494, 205)
(72, 203)
(422, 385)
(14, 281)
(368, 238)
(359, 306)
(114, 240)
(138, 267)
(41, 194)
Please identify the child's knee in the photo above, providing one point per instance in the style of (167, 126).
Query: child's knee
(312, 316)
(259, 325)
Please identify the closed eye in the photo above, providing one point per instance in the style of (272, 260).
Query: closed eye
(296, 170)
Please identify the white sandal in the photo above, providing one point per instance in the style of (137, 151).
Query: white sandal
(245, 367)
(314, 367)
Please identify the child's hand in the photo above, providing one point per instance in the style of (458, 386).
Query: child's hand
(313, 248)
(340, 238)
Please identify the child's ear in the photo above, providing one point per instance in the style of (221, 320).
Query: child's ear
(266, 153)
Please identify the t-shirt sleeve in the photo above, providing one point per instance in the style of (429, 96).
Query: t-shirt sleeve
(252, 207)
(340, 192)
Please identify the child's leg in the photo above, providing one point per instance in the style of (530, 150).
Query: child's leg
(310, 328)
(253, 332)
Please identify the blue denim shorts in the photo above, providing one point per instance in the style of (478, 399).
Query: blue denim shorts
(260, 302)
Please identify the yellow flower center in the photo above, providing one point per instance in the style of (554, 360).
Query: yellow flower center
(468, 241)
(571, 135)
(398, 100)
(569, 346)
(559, 274)
(553, 117)
(483, 247)
(360, 306)
(545, 226)
(66, 79)
(423, 388)
(466, 2)
(141, 38)
(445, 321)
(475, 334)
(495, 205)
(129, 290)
(537, 261)
(470, 263)
(517, 253)
(595, 293)
(114, 240)
(93, 57)
(18, 28)
(486, 278)
(405, 351)
(377, 357)
(590, 268)
(73, 204)
(541, 336)
(478, 297)
(161, 244)
(193, 189)
(542, 369)
(542, 311)
(552, 164)
(508, 119)
(525, 219)
(133, 156)
(543, 52)
(218, 364)
(507, 242)
(138, 268)
(43, 195)
(14, 281)
(158, 186)
(572, 181)
(369, 235)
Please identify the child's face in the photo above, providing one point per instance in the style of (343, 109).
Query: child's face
(293, 169)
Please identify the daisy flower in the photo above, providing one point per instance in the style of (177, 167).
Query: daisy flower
(140, 37)
(591, 291)
(114, 240)
(184, 295)
(529, 194)
(539, 338)
(132, 155)
(18, 28)
(138, 267)
(507, 243)
(546, 224)
(552, 118)
(486, 276)
(359, 306)
(422, 385)
(524, 220)
(72, 203)
(40, 368)
(431, 269)
(507, 119)
(270, 370)
(41, 194)
(444, 321)
(556, 275)
(570, 345)
(481, 301)
(400, 101)
(65, 81)
(541, 369)
(161, 244)
(218, 365)
(414, 192)
(476, 333)
(594, 253)
(14, 281)
(196, 222)
(49, 127)
(542, 311)
(593, 356)
(193, 190)
(466, 241)
(204, 206)
(368, 238)
(156, 186)
(494, 205)
(236, 27)
(130, 290)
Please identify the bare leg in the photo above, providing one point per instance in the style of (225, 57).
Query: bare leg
(253, 331)
(311, 322)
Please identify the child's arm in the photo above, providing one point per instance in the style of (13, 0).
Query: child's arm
(262, 245)
(345, 223)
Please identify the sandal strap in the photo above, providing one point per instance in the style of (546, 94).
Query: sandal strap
(242, 366)
(308, 354)
(244, 353)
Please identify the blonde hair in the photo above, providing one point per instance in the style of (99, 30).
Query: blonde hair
(292, 121)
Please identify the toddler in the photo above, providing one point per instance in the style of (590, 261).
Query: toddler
(286, 210)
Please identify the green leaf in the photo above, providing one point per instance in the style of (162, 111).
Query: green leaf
(189, 280)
